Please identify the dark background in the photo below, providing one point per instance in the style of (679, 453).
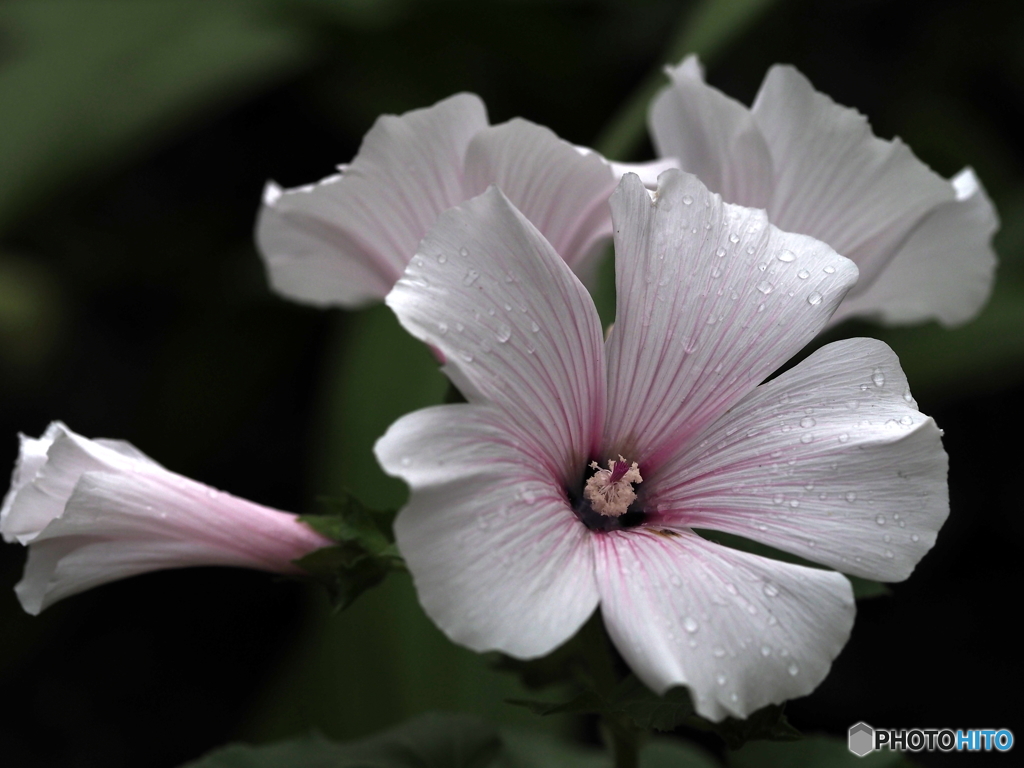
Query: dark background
(134, 144)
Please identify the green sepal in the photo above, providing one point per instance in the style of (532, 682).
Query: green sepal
(364, 555)
(644, 710)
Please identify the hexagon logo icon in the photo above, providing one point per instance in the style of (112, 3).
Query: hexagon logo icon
(861, 739)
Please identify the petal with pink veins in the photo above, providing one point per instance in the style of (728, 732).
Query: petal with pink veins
(346, 240)
(498, 558)
(831, 461)
(711, 299)
(516, 327)
(739, 631)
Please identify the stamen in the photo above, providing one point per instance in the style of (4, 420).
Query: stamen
(610, 491)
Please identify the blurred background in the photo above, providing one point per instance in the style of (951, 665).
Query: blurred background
(134, 143)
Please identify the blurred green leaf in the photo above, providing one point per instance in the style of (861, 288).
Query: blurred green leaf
(644, 710)
(88, 84)
(706, 30)
(812, 752)
(429, 741)
(529, 749)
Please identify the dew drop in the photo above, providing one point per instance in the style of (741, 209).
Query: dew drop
(719, 653)
(829, 270)
(471, 277)
(878, 377)
(851, 496)
(442, 258)
(771, 590)
(716, 272)
(442, 327)
(888, 553)
(843, 437)
(793, 669)
(766, 651)
(690, 624)
(464, 252)
(534, 327)
(803, 274)
(794, 503)
(503, 334)
(765, 287)
(907, 396)
(734, 238)
(914, 537)
(808, 438)
(806, 422)
(720, 677)
(814, 299)
(786, 255)
(720, 252)
(687, 200)
(887, 538)
(906, 421)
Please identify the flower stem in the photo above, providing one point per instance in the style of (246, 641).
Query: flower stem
(623, 740)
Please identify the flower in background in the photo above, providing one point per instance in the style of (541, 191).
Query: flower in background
(345, 240)
(514, 536)
(94, 511)
(922, 243)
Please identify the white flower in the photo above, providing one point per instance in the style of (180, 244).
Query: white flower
(345, 240)
(922, 243)
(94, 511)
(510, 543)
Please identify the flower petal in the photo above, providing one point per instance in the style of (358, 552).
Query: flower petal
(346, 240)
(712, 136)
(562, 191)
(498, 558)
(516, 327)
(740, 631)
(118, 524)
(834, 179)
(48, 469)
(711, 299)
(831, 461)
(944, 271)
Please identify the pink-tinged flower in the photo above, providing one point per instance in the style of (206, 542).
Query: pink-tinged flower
(513, 543)
(922, 243)
(93, 511)
(345, 240)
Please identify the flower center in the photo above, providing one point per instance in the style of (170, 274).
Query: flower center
(608, 497)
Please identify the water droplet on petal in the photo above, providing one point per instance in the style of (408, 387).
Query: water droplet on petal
(504, 333)
(793, 669)
(734, 238)
(464, 252)
(690, 624)
(771, 590)
(765, 287)
(803, 274)
(687, 200)
(471, 277)
(720, 252)
(442, 258)
(807, 422)
(878, 377)
(829, 270)
(718, 652)
(534, 327)
(851, 496)
(785, 255)
(720, 677)
(814, 299)
(914, 537)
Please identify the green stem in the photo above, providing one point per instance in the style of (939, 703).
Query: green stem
(705, 31)
(623, 741)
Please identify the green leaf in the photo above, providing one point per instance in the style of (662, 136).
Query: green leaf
(365, 553)
(812, 752)
(429, 741)
(87, 85)
(644, 710)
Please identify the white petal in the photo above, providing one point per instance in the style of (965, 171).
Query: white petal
(39, 490)
(648, 172)
(563, 192)
(712, 136)
(831, 461)
(346, 240)
(711, 299)
(834, 179)
(740, 631)
(499, 560)
(118, 524)
(944, 271)
(515, 325)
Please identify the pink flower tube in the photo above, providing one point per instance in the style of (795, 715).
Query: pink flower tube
(94, 511)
